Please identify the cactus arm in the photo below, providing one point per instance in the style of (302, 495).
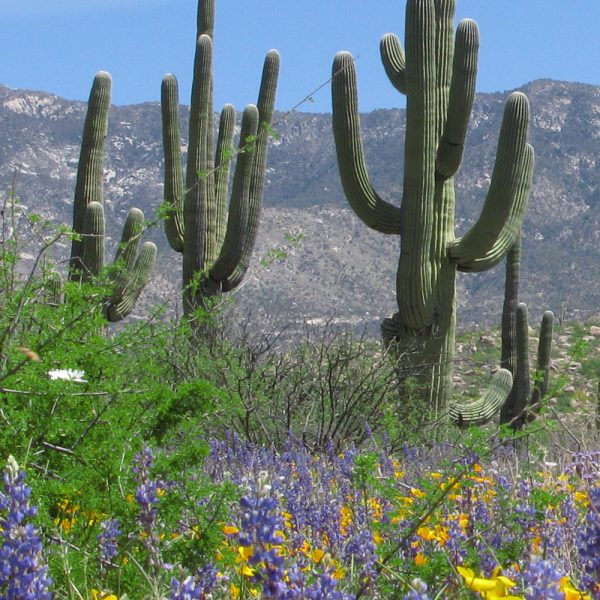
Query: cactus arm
(233, 245)
(90, 172)
(522, 379)
(223, 157)
(508, 359)
(174, 188)
(133, 269)
(364, 200)
(265, 105)
(394, 62)
(484, 409)
(542, 372)
(462, 93)
(500, 220)
(93, 240)
(244, 212)
(127, 249)
(205, 20)
(124, 298)
(130, 238)
(513, 224)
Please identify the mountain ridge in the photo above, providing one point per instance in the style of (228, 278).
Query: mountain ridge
(340, 267)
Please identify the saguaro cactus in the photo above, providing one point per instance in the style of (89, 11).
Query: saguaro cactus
(437, 74)
(132, 269)
(515, 349)
(216, 243)
(523, 403)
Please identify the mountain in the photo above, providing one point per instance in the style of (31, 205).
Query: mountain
(339, 268)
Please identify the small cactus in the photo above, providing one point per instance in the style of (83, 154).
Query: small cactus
(523, 402)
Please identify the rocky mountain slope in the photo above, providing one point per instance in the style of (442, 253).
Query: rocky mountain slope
(339, 267)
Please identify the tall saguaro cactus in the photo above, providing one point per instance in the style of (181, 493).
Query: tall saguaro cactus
(437, 74)
(216, 243)
(132, 268)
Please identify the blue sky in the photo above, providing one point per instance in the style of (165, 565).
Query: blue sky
(58, 45)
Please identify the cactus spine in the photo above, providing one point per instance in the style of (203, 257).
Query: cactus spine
(437, 74)
(216, 243)
(131, 269)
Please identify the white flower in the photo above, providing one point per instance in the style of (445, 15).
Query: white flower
(68, 375)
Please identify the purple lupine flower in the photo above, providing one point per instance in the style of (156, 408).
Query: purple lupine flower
(542, 580)
(589, 543)
(419, 591)
(325, 588)
(186, 588)
(455, 545)
(23, 574)
(259, 529)
(147, 499)
(107, 542)
(191, 587)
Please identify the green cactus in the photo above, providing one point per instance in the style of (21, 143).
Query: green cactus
(131, 270)
(437, 74)
(523, 403)
(482, 410)
(542, 372)
(515, 349)
(216, 243)
(90, 171)
(509, 308)
(53, 288)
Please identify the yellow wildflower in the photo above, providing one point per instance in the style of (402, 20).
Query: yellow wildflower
(230, 529)
(497, 587)
(317, 555)
(570, 592)
(66, 515)
(247, 571)
(346, 519)
(417, 493)
(98, 595)
(245, 552)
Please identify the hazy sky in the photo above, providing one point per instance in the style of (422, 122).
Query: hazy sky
(58, 45)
